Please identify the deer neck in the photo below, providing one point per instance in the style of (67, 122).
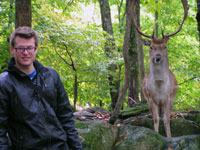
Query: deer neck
(159, 72)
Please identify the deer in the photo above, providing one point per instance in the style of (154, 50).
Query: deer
(159, 85)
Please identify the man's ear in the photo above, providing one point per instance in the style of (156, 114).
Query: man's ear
(146, 42)
(36, 49)
(11, 49)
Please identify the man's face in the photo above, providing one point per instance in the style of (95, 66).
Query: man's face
(24, 52)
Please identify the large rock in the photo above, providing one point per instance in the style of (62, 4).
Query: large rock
(97, 135)
(179, 126)
(135, 131)
(189, 142)
(185, 123)
(138, 138)
(192, 115)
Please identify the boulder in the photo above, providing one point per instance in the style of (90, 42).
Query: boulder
(134, 130)
(179, 126)
(189, 142)
(138, 138)
(98, 135)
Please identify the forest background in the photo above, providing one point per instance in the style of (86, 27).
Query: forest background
(76, 40)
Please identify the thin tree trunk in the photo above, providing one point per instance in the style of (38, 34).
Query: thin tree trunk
(109, 46)
(75, 90)
(198, 18)
(142, 68)
(23, 15)
(10, 19)
(133, 58)
(140, 53)
(125, 86)
(156, 23)
(72, 65)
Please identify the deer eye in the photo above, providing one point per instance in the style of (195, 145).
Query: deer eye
(151, 47)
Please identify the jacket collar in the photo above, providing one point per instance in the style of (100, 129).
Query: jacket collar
(13, 69)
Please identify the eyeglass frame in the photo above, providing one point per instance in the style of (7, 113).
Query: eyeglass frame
(22, 49)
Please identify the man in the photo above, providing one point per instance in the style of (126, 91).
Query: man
(34, 108)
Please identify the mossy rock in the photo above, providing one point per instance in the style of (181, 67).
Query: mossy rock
(138, 138)
(193, 116)
(179, 126)
(134, 111)
(189, 142)
(96, 135)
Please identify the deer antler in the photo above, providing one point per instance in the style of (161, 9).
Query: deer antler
(134, 21)
(186, 8)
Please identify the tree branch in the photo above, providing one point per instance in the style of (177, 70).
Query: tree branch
(188, 80)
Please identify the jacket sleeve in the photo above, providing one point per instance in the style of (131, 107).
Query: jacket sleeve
(65, 115)
(4, 145)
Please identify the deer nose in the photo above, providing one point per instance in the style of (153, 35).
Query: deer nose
(157, 59)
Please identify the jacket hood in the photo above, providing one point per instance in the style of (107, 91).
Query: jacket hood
(13, 69)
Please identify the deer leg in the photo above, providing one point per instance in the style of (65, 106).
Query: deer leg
(155, 112)
(166, 118)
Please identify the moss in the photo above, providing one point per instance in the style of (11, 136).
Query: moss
(139, 138)
(81, 124)
(198, 119)
(133, 111)
(97, 135)
(180, 127)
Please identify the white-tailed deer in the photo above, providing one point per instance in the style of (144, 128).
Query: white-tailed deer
(160, 85)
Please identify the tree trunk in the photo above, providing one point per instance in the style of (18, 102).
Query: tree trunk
(125, 86)
(198, 18)
(156, 23)
(23, 15)
(140, 53)
(10, 18)
(142, 68)
(75, 90)
(109, 46)
(133, 58)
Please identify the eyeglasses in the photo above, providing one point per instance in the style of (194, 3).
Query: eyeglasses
(22, 49)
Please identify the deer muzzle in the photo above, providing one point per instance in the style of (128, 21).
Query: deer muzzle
(157, 59)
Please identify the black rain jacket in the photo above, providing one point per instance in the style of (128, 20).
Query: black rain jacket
(31, 121)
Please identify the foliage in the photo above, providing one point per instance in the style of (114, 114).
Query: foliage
(68, 35)
(6, 24)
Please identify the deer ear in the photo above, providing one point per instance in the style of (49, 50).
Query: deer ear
(146, 42)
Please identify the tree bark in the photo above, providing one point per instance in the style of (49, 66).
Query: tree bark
(133, 58)
(23, 15)
(125, 86)
(141, 66)
(75, 89)
(109, 46)
(140, 53)
(156, 23)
